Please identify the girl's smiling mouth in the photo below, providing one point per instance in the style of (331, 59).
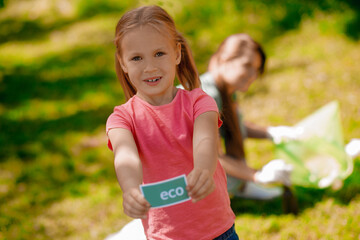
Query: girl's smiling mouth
(152, 80)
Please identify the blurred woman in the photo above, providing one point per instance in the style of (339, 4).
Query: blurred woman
(236, 64)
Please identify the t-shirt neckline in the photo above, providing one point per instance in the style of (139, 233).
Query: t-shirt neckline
(160, 106)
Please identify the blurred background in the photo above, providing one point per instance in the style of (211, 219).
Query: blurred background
(58, 86)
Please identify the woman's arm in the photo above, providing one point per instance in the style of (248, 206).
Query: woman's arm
(236, 167)
(276, 171)
(200, 179)
(129, 172)
(277, 134)
(255, 131)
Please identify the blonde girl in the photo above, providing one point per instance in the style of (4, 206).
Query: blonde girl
(162, 132)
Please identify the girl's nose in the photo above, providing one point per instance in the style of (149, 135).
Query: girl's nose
(150, 67)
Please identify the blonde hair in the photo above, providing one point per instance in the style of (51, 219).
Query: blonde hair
(158, 18)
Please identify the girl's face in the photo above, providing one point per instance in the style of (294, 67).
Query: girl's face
(150, 58)
(238, 71)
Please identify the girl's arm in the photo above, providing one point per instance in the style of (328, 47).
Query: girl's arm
(129, 172)
(200, 179)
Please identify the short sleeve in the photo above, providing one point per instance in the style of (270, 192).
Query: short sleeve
(118, 119)
(204, 103)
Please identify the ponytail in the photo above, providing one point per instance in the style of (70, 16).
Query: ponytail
(186, 70)
(128, 88)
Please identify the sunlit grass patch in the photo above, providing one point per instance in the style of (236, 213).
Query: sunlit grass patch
(325, 220)
(55, 109)
(83, 217)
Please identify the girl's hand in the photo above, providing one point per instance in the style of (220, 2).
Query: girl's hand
(134, 203)
(200, 184)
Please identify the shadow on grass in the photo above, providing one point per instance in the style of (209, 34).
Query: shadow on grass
(352, 28)
(26, 30)
(257, 207)
(23, 83)
(16, 135)
(306, 197)
(293, 12)
(73, 74)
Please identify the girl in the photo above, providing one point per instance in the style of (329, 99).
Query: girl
(162, 132)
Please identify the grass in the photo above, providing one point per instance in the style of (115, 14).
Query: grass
(57, 87)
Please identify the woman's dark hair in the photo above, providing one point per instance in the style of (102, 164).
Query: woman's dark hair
(230, 129)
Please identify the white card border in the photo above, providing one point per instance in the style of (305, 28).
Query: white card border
(164, 181)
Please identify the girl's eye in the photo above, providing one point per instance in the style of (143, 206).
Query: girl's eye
(137, 58)
(248, 65)
(159, 54)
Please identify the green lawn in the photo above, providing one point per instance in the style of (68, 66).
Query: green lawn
(58, 85)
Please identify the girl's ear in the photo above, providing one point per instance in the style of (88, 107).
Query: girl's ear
(178, 53)
(123, 66)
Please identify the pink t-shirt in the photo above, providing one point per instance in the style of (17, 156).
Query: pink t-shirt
(163, 135)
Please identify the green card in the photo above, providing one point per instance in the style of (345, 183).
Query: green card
(166, 193)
